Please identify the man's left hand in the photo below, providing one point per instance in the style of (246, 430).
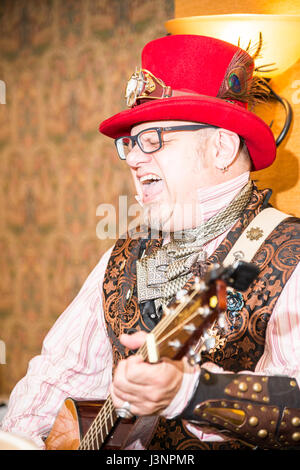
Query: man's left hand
(149, 388)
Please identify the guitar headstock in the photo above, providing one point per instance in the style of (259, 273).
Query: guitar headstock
(186, 318)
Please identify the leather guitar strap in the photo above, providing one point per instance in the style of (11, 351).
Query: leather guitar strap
(141, 433)
(254, 235)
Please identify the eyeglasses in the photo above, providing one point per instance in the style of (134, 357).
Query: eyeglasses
(150, 140)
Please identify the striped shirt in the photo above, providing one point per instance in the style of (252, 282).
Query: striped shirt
(76, 357)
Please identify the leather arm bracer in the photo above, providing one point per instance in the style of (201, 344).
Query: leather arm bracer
(261, 410)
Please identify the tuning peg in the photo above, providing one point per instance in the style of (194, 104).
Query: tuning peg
(175, 344)
(190, 328)
(222, 320)
(199, 285)
(193, 357)
(204, 311)
(210, 343)
(180, 294)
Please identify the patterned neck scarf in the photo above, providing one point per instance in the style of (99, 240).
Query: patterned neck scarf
(161, 275)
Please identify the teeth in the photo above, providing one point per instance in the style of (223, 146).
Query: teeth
(149, 177)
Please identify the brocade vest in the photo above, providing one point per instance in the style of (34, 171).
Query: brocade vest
(247, 318)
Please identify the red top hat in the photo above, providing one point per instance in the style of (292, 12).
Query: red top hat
(200, 79)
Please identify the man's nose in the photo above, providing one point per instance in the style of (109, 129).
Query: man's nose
(136, 157)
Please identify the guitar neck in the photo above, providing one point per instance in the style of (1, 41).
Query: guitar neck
(104, 421)
(174, 324)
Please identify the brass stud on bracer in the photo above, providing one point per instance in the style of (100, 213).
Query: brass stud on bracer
(257, 387)
(262, 433)
(296, 421)
(243, 387)
(253, 421)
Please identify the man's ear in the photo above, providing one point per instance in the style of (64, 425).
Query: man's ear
(224, 148)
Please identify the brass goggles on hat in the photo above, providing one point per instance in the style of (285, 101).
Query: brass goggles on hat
(150, 140)
(144, 85)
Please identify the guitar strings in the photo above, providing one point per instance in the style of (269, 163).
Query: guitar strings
(101, 418)
(108, 407)
(104, 413)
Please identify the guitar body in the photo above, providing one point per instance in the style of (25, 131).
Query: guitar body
(73, 421)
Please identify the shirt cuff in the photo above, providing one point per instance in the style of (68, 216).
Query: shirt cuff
(189, 382)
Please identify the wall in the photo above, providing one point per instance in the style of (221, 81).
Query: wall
(207, 7)
(283, 175)
(65, 64)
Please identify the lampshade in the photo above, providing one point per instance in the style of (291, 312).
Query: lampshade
(276, 36)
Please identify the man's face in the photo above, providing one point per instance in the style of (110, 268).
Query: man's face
(167, 180)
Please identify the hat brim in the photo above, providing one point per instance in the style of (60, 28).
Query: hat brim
(209, 110)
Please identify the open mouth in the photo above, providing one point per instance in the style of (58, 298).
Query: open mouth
(151, 186)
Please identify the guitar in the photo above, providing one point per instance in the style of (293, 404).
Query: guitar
(94, 425)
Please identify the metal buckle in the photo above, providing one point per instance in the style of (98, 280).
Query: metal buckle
(142, 84)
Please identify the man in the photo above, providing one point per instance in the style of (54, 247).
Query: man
(190, 143)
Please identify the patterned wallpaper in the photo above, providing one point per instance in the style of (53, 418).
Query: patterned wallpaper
(65, 65)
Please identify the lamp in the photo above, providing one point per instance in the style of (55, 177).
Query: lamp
(272, 40)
